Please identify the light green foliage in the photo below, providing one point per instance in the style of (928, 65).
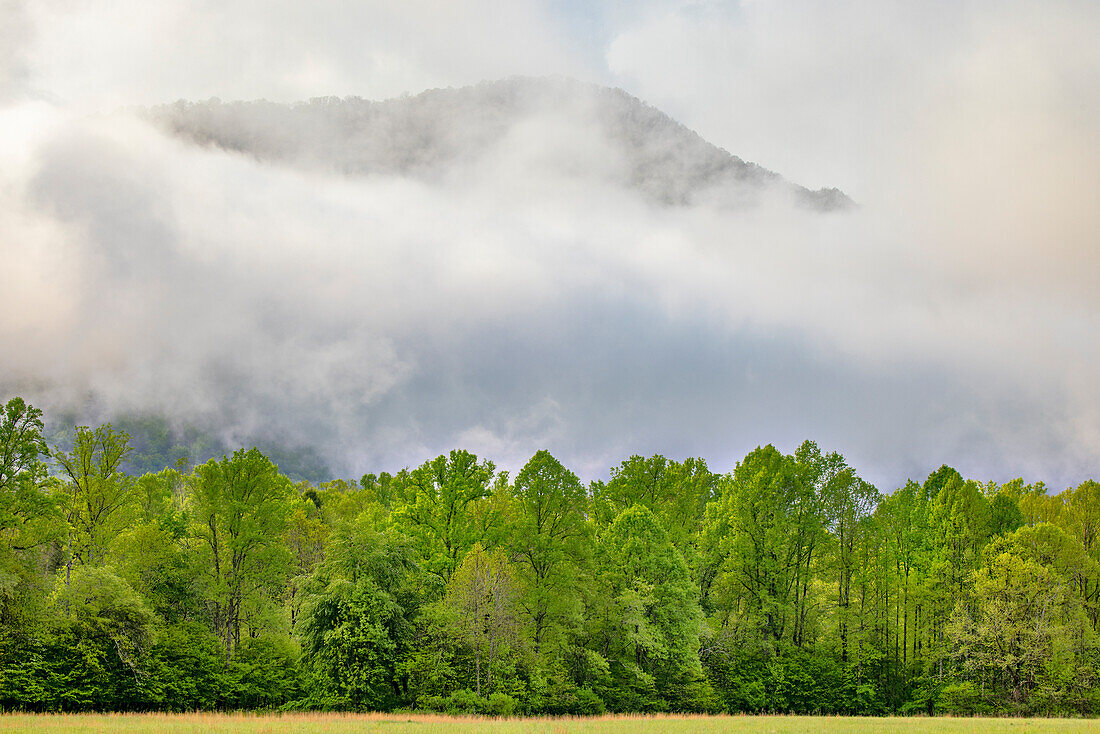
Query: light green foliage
(28, 518)
(22, 446)
(960, 525)
(357, 619)
(153, 558)
(1026, 628)
(482, 594)
(904, 519)
(789, 584)
(768, 524)
(1036, 504)
(646, 619)
(1081, 518)
(1004, 514)
(306, 535)
(845, 501)
(957, 527)
(97, 498)
(548, 539)
(676, 492)
(105, 636)
(1082, 514)
(159, 497)
(239, 509)
(436, 504)
(151, 552)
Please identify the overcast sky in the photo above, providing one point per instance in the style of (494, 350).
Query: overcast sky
(953, 317)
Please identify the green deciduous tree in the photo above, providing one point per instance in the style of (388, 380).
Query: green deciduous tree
(677, 492)
(645, 619)
(356, 620)
(1081, 518)
(240, 509)
(436, 505)
(28, 517)
(97, 497)
(760, 544)
(483, 594)
(103, 644)
(1025, 627)
(22, 446)
(548, 542)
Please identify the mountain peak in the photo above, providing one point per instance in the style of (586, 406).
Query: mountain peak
(427, 134)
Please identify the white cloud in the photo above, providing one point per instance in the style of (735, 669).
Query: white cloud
(976, 124)
(525, 298)
(101, 54)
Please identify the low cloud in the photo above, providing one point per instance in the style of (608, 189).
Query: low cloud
(533, 287)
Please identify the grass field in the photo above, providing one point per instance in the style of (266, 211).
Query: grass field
(406, 724)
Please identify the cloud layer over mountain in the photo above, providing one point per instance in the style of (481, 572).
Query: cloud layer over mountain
(520, 276)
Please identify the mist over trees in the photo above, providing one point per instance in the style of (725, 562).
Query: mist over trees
(347, 283)
(789, 584)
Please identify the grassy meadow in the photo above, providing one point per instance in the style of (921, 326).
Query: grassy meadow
(436, 724)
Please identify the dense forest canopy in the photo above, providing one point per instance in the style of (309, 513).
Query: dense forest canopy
(789, 584)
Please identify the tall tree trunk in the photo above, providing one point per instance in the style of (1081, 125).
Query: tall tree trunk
(477, 667)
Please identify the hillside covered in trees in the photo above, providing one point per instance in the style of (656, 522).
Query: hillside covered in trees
(789, 584)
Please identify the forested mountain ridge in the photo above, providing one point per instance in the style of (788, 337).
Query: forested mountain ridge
(434, 133)
(789, 584)
(157, 443)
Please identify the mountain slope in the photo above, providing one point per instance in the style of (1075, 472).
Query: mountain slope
(433, 133)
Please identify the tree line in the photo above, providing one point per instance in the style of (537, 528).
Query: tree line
(787, 585)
